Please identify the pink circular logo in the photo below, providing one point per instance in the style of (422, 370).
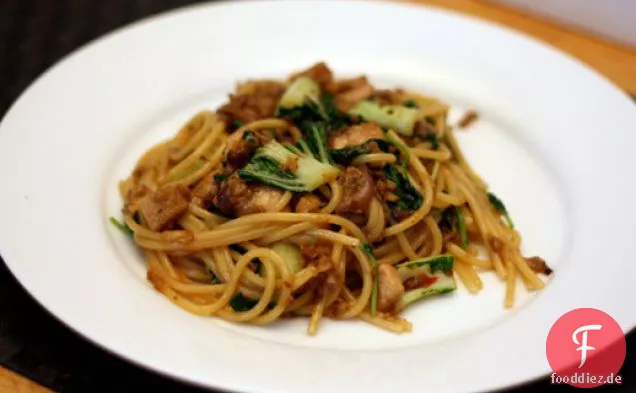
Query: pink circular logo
(586, 348)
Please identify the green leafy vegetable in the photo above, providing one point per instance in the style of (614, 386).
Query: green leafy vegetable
(437, 263)
(461, 225)
(317, 142)
(336, 119)
(452, 217)
(410, 104)
(434, 141)
(292, 148)
(396, 117)
(373, 307)
(309, 111)
(426, 277)
(345, 155)
(249, 136)
(303, 104)
(302, 91)
(290, 253)
(276, 166)
(409, 198)
(303, 146)
(123, 227)
(241, 303)
(447, 219)
(236, 124)
(324, 111)
(219, 178)
(405, 151)
(501, 208)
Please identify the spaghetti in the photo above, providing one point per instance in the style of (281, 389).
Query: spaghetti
(318, 197)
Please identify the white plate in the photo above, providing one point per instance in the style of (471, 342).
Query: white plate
(555, 140)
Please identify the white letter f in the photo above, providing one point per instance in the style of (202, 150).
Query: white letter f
(584, 347)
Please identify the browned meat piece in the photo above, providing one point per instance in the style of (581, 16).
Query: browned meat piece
(388, 97)
(318, 255)
(163, 206)
(237, 197)
(538, 265)
(358, 219)
(204, 192)
(386, 189)
(137, 192)
(347, 100)
(390, 289)
(351, 91)
(319, 72)
(447, 237)
(344, 85)
(423, 129)
(254, 101)
(496, 244)
(308, 204)
(358, 189)
(469, 118)
(355, 135)
(337, 309)
(242, 145)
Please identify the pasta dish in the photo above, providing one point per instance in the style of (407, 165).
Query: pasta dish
(318, 197)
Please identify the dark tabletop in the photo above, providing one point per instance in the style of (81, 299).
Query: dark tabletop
(34, 34)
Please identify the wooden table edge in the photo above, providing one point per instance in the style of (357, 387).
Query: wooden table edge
(15, 383)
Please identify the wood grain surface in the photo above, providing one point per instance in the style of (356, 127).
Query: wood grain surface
(616, 62)
(11, 382)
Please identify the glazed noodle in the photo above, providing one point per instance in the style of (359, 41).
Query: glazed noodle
(318, 197)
